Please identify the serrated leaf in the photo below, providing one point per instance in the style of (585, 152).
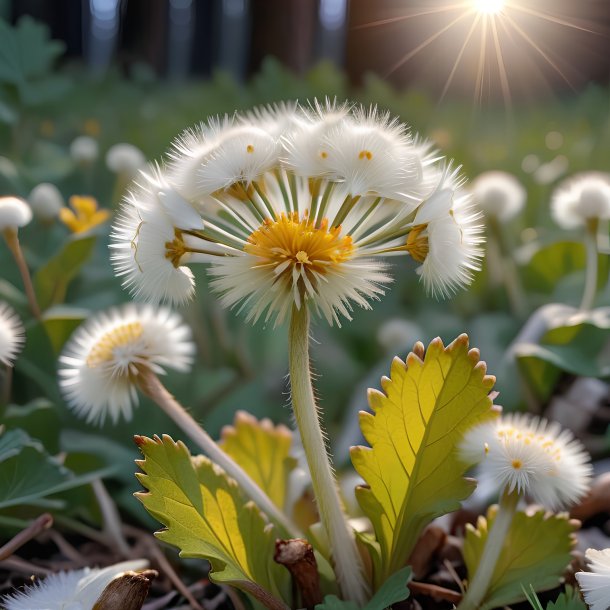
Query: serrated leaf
(263, 451)
(205, 516)
(411, 471)
(51, 280)
(570, 600)
(393, 590)
(536, 551)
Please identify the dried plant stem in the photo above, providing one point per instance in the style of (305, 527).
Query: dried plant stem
(153, 388)
(12, 241)
(588, 297)
(496, 538)
(39, 525)
(345, 556)
(111, 517)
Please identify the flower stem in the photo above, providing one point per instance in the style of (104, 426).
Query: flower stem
(153, 388)
(12, 241)
(496, 538)
(588, 297)
(345, 556)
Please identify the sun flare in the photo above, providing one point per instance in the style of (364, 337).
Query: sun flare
(489, 7)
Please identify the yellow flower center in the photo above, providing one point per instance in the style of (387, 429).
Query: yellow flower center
(176, 249)
(365, 154)
(417, 243)
(517, 464)
(103, 350)
(290, 241)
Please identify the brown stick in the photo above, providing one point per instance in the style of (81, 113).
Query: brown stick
(435, 591)
(12, 241)
(298, 557)
(39, 525)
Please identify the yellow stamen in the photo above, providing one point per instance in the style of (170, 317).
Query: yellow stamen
(324, 154)
(365, 154)
(176, 249)
(417, 243)
(103, 350)
(250, 149)
(292, 240)
(517, 464)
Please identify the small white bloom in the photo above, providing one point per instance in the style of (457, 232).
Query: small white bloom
(73, 590)
(595, 585)
(583, 197)
(14, 213)
(100, 363)
(84, 149)
(46, 201)
(531, 455)
(12, 335)
(125, 159)
(499, 194)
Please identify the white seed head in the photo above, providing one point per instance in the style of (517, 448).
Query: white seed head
(46, 201)
(12, 335)
(84, 149)
(595, 584)
(73, 590)
(100, 364)
(583, 197)
(14, 213)
(499, 194)
(125, 159)
(532, 456)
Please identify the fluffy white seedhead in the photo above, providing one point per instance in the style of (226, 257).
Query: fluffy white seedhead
(532, 456)
(46, 201)
(100, 364)
(595, 585)
(582, 198)
(12, 335)
(499, 194)
(14, 213)
(73, 590)
(125, 159)
(84, 149)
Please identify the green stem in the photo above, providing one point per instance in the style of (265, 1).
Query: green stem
(496, 538)
(588, 297)
(345, 556)
(153, 388)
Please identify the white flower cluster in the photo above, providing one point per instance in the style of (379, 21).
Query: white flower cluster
(291, 205)
(583, 197)
(101, 362)
(532, 456)
(595, 585)
(499, 194)
(12, 335)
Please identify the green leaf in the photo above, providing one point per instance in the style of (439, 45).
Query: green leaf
(206, 517)
(570, 600)
(51, 280)
(263, 451)
(28, 473)
(536, 552)
(60, 322)
(411, 471)
(393, 590)
(39, 418)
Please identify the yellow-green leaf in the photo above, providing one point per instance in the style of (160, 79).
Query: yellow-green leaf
(263, 451)
(205, 516)
(536, 552)
(411, 470)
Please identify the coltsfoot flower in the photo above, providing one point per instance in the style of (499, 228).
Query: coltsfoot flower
(73, 590)
(84, 215)
(100, 364)
(582, 198)
(14, 213)
(12, 335)
(531, 455)
(595, 585)
(297, 207)
(499, 194)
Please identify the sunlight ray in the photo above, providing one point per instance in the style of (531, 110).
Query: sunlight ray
(433, 11)
(501, 65)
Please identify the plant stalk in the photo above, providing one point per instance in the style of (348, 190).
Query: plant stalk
(588, 297)
(12, 241)
(151, 385)
(496, 538)
(345, 556)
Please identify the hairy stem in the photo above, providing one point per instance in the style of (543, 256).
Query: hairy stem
(496, 538)
(153, 388)
(588, 297)
(12, 241)
(345, 557)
